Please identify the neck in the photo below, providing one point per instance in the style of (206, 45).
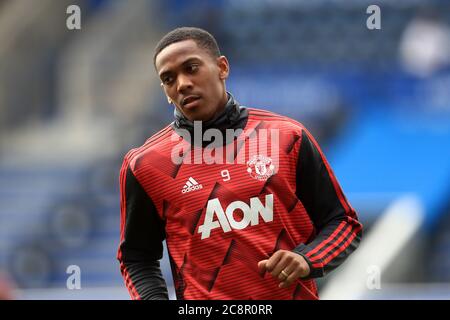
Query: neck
(228, 107)
(222, 105)
(232, 116)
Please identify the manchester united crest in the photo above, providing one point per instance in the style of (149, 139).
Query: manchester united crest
(260, 167)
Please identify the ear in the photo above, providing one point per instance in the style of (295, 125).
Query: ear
(224, 67)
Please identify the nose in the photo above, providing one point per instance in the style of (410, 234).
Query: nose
(184, 83)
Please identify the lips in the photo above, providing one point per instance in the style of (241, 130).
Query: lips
(189, 100)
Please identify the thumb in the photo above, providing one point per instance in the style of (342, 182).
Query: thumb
(262, 265)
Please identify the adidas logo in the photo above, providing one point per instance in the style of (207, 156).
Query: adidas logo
(191, 185)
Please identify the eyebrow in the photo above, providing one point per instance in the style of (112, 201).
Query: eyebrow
(187, 61)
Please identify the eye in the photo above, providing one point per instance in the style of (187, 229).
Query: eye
(167, 80)
(192, 68)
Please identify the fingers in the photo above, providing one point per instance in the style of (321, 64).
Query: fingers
(289, 270)
(285, 266)
(293, 276)
(273, 261)
(297, 269)
(281, 266)
(275, 264)
(262, 265)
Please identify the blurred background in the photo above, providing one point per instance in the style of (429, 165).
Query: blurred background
(73, 102)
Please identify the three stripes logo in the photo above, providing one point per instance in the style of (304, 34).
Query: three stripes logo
(191, 185)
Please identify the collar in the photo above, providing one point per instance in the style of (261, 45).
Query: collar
(224, 120)
(232, 117)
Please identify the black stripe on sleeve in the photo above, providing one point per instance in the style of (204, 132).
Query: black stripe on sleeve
(316, 191)
(142, 245)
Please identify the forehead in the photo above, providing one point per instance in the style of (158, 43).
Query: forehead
(175, 54)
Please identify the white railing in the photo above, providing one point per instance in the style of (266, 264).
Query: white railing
(388, 237)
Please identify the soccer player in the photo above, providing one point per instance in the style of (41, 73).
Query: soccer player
(257, 225)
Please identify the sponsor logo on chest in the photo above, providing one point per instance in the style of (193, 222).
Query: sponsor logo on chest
(226, 219)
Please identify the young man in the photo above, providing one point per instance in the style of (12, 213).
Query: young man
(239, 222)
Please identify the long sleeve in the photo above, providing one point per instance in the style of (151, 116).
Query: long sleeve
(338, 231)
(141, 237)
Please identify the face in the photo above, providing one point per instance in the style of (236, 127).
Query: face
(193, 79)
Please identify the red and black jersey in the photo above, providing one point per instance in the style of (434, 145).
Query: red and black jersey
(220, 219)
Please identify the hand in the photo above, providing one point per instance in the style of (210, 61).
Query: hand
(292, 264)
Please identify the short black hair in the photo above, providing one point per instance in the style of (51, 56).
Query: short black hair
(202, 37)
